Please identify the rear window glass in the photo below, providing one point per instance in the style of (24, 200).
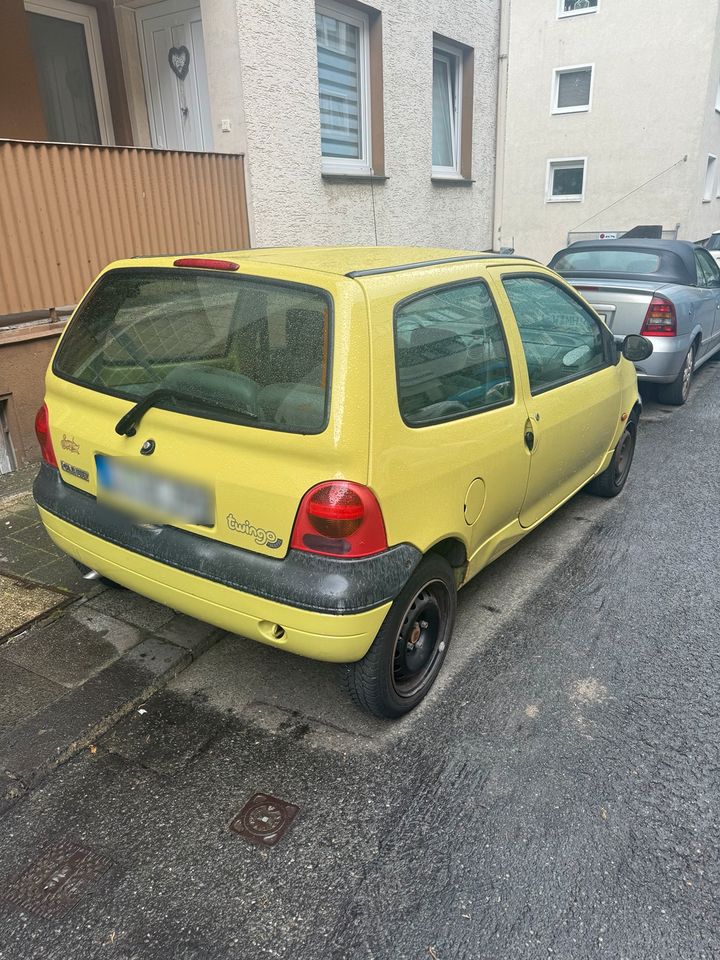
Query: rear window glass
(608, 261)
(246, 350)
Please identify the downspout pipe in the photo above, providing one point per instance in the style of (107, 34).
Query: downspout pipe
(501, 122)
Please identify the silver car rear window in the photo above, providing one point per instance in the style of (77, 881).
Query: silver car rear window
(633, 262)
(240, 349)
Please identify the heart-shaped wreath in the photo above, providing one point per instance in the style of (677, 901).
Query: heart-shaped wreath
(179, 60)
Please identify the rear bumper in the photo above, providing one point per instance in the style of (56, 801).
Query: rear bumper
(664, 365)
(328, 609)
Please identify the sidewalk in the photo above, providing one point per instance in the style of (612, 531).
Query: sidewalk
(75, 655)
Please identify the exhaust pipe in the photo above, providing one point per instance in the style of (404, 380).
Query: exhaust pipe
(91, 575)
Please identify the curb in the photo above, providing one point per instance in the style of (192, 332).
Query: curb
(36, 746)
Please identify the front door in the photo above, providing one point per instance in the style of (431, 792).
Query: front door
(65, 40)
(573, 399)
(708, 284)
(175, 76)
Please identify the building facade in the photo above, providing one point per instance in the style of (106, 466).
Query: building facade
(131, 127)
(612, 120)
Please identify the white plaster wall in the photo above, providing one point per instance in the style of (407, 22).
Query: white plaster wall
(276, 88)
(654, 60)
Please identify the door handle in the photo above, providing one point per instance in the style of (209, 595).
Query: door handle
(529, 439)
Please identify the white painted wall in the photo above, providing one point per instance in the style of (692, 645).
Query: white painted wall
(265, 80)
(657, 66)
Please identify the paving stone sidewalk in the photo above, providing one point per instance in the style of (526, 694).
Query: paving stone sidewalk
(67, 676)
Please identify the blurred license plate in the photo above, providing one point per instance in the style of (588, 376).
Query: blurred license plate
(152, 495)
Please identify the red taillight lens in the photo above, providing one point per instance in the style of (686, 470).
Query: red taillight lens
(206, 263)
(660, 319)
(339, 518)
(42, 431)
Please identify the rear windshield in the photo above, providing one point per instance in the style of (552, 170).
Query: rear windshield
(714, 242)
(609, 261)
(249, 351)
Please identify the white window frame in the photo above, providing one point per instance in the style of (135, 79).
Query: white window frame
(85, 15)
(450, 53)
(557, 73)
(562, 13)
(552, 165)
(710, 178)
(351, 165)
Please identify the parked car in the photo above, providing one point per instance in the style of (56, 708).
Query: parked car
(713, 245)
(316, 448)
(667, 290)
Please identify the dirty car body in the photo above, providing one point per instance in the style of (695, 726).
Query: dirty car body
(315, 448)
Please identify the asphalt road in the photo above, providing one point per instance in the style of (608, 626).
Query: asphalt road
(557, 796)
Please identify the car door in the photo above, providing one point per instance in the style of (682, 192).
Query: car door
(705, 300)
(572, 391)
(447, 454)
(711, 276)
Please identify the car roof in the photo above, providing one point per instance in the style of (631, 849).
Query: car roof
(345, 261)
(684, 250)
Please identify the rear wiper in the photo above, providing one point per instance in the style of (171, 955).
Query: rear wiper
(127, 424)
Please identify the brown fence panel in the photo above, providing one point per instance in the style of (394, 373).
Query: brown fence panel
(67, 210)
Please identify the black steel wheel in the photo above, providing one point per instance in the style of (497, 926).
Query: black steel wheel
(611, 481)
(408, 652)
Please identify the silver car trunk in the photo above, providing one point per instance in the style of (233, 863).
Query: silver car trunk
(621, 303)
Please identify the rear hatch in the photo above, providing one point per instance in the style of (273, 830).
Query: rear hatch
(229, 378)
(622, 304)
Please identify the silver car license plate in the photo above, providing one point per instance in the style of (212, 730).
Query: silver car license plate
(150, 495)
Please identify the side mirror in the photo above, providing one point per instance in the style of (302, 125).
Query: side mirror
(636, 348)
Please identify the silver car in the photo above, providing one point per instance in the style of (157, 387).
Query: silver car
(666, 290)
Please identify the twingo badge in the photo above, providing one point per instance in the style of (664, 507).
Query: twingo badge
(264, 538)
(68, 443)
(74, 471)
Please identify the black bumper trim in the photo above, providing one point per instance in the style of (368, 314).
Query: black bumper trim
(304, 580)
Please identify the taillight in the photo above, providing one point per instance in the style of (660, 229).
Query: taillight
(660, 319)
(206, 263)
(42, 431)
(339, 518)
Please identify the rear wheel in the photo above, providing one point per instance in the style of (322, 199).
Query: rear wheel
(677, 392)
(406, 656)
(611, 481)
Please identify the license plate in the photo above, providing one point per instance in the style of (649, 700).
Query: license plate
(150, 495)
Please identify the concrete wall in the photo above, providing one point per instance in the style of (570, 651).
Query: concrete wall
(22, 372)
(274, 102)
(656, 72)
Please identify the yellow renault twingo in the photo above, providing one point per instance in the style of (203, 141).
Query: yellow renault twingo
(316, 448)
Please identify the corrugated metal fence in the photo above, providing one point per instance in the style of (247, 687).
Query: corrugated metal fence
(66, 211)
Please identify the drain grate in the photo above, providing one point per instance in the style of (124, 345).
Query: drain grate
(54, 884)
(264, 820)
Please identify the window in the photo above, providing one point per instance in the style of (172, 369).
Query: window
(452, 110)
(561, 338)
(710, 172)
(65, 40)
(571, 8)
(446, 111)
(253, 352)
(451, 355)
(343, 74)
(566, 180)
(708, 274)
(572, 89)
(608, 261)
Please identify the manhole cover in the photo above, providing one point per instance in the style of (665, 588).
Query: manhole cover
(24, 601)
(56, 882)
(264, 820)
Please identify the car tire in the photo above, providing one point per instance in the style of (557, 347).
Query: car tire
(406, 656)
(676, 393)
(612, 480)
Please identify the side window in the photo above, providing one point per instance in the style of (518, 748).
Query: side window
(708, 273)
(561, 339)
(451, 355)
